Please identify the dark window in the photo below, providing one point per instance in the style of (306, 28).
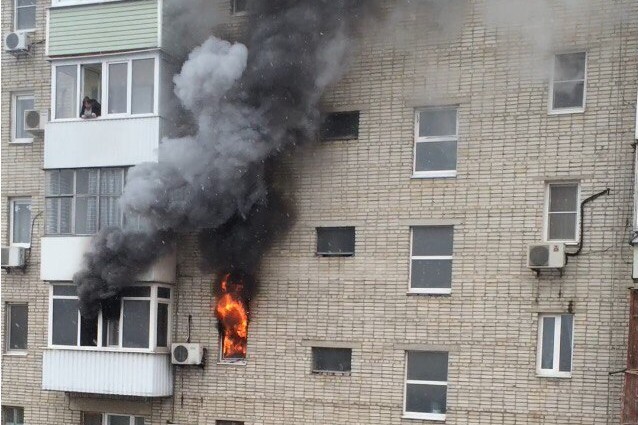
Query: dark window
(91, 418)
(162, 325)
(426, 384)
(136, 315)
(12, 415)
(335, 241)
(228, 423)
(164, 293)
(18, 326)
(238, 6)
(65, 322)
(340, 125)
(569, 81)
(331, 359)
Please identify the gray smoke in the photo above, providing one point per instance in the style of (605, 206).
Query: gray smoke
(251, 105)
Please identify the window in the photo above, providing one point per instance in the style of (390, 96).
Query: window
(331, 359)
(426, 385)
(562, 212)
(222, 422)
(431, 259)
(127, 87)
(340, 125)
(238, 7)
(140, 319)
(436, 139)
(555, 339)
(335, 241)
(21, 103)
(81, 202)
(568, 82)
(24, 15)
(17, 327)
(12, 415)
(110, 419)
(20, 222)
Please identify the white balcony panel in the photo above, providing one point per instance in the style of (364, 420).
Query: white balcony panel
(101, 142)
(62, 257)
(107, 372)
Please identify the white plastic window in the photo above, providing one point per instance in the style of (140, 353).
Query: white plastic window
(431, 259)
(426, 385)
(436, 137)
(20, 222)
(563, 212)
(569, 82)
(25, 15)
(21, 103)
(17, 327)
(555, 345)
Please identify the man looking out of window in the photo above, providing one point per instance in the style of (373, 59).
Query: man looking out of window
(91, 108)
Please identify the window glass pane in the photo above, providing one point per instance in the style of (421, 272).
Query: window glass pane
(86, 215)
(435, 156)
(432, 240)
(21, 222)
(111, 181)
(117, 88)
(86, 182)
(110, 212)
(136, 291)
(66, 205)
(569, 66)
(562, 226)
(143, 86)
(139, 420)
(91, 419)
(12, 415)
(569, 94)
(425, 398)
(431, 274)
(331, 359)
(566, 328)
(547, 349)
(563, 198)
(64, 290)
(437, 122)
(23, 103)
(136, 316)
(52, 185)
(26, 2)
(110, 332)
(427, 365)
(66, 182)
(340, 125)
(119, 420)
(65, 322)
(19, 326)
(52, 206)
(164, 292)
(88, 332)
(92, 82)
(335, 240)
(66, 98)
(162, 325)
(25, 18)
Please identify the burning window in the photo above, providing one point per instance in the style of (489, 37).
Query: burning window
(232, 316)
(335, 241)
(340, 125)
(325, 359)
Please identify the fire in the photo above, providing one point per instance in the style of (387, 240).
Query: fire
(232, 314)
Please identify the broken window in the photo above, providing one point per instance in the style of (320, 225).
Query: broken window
(340, 125)
(562, 212)
(555, 338)
(326, 359)
(17, 327)
(431, 260)
(426, 385)
(335, 241)
(435, 144)
(568, 82)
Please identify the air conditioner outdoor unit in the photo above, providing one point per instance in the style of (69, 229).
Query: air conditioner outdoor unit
(546, 256)
(187, 354)
(34, 120)
(16, 42)
(13, 256)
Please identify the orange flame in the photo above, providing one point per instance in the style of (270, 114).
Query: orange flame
(232, 314)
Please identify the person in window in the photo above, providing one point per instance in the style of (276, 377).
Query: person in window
(91, 108)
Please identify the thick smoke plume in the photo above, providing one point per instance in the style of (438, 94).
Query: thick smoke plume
(251, 104)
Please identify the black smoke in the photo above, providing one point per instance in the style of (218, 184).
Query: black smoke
(251, 105)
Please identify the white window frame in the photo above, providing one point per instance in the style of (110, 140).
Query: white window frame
(548, 189)
(575, 110)
(554, 372)
(12, 202)
(15, 16)
(229, 361)
(8, 350)
(420, 415)
(433, 139)
(434, 291)
(66, 3)
(106, 61)
(14, 118)
(154, 300)
(105, 417)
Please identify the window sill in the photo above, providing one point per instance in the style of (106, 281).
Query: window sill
(431, 292)
(566, 111)
(425, 416)
(162, 351)
(112, 117)
(559, 375)
(58, 4)
(21, 142)
(16, 353)
(330, 373)
(231, 363)
(20, 245)
(434, 174)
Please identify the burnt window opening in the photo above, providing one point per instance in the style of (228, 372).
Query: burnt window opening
(232, 349)
(325, 359)
(340, 126)
(335, 241)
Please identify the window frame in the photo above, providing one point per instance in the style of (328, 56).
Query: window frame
(15, 96)
(234, 11)
(571, 110)
(546, 212)
(15, 409)
(104, 89)
(430, 291)
(554, 372)
(15, 16)
(12, 202)
(152, 344)
(105, 417)
(67, 3)
(421, 415)
(316, 371)
(7, 343)
(434, 139)
(347, 137)
(330, 254)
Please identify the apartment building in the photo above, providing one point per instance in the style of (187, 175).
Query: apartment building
(402, 293)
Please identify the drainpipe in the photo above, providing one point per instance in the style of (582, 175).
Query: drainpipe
(582, 220)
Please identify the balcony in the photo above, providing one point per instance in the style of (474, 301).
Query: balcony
(102, 142)
(107, 372)
(62, 257)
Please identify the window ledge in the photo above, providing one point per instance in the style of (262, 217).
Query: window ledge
(231, 363)
(16, 353)
(58, 4)
(109, 350)
(566, 111)
(440, 417)
(434, 175)
(112, 117)
(21, 141)
(427, 293)
(331, 373)
(559, 375)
